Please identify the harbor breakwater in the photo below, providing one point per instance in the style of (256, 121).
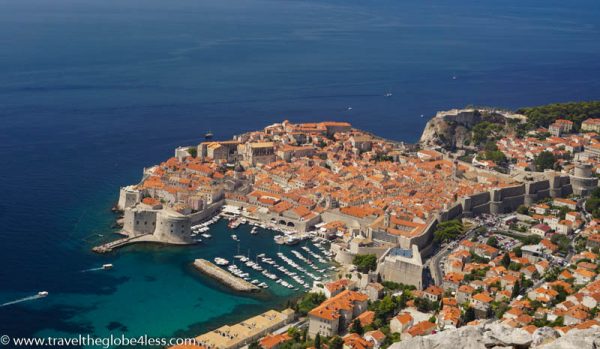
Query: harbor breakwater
(224, 277)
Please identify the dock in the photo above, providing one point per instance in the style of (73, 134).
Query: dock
(224, 277)
(109, 246)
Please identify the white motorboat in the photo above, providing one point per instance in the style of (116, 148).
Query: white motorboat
(107, 266)
(221, 261)
(42, 294)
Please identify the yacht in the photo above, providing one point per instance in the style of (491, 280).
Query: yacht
(234, 237)
(291, 241)
(221, 261)
(42, 294)
(107, 266)
(254, 231)
(206, 235)
(388, 94)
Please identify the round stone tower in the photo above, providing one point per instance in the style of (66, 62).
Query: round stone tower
(583, 180)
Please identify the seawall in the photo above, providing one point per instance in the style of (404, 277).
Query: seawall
(224, 277)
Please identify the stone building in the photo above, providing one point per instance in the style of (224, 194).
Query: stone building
(336, 313)
(403, 266)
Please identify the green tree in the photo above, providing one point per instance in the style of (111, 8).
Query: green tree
(543, 116)
(357, 327)
(193, 151)
(468, 316)
(254, 345)
(318, 341)
(365, 262)
(336, 343)
(385, 308)
(562, 241)
(492, 241)
(505, 260)
(516, 289)
(544, 160)
(295, 334)
(448, 230)
(310, 301)
(522, 209)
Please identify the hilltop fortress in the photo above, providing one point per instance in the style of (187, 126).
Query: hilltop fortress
(367, 194)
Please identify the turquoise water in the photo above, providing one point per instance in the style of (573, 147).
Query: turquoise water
(91, 91)
(154, 290)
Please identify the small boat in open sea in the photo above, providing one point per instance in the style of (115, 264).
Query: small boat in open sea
(234, 237)
(42, 294)
(208, 135)
(107, 266)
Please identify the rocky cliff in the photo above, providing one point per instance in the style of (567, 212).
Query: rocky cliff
(496, 335)
(453, 129)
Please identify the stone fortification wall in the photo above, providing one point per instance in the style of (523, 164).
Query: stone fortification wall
(350, 221)
(128, 197)
(208, 212)
(139, 221)
(172, 227)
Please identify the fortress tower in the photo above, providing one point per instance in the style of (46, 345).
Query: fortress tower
(583, 180)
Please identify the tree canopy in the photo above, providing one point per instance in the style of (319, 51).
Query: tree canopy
(448, 230)
(310, 301)
(365, 262)
(543, 116)
(544, 160)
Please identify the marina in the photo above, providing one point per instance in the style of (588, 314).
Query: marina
(295, 266)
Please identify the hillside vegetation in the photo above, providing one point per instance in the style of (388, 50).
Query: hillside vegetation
(543, 116)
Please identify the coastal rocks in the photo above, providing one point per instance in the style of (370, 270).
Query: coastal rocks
(576, 339)
(544, 335)
(496, 335)
(452, 129)
(468, 337)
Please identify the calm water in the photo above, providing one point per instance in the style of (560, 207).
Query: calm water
(91, 91)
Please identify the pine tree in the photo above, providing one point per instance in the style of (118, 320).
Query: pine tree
(318, 341)
(516, 289)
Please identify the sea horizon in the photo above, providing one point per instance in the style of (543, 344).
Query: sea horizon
(92, 91)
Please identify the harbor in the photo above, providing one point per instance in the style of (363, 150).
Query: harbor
(296, 267)
(253, 255)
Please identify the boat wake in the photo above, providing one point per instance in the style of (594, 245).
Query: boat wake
(103, 267)
(26, 299)
(92, 269)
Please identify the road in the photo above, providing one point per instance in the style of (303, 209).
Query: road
(434, 263)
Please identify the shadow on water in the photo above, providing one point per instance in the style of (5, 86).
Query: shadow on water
(20, 321)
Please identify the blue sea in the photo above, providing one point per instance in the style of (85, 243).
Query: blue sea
(91, 91)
